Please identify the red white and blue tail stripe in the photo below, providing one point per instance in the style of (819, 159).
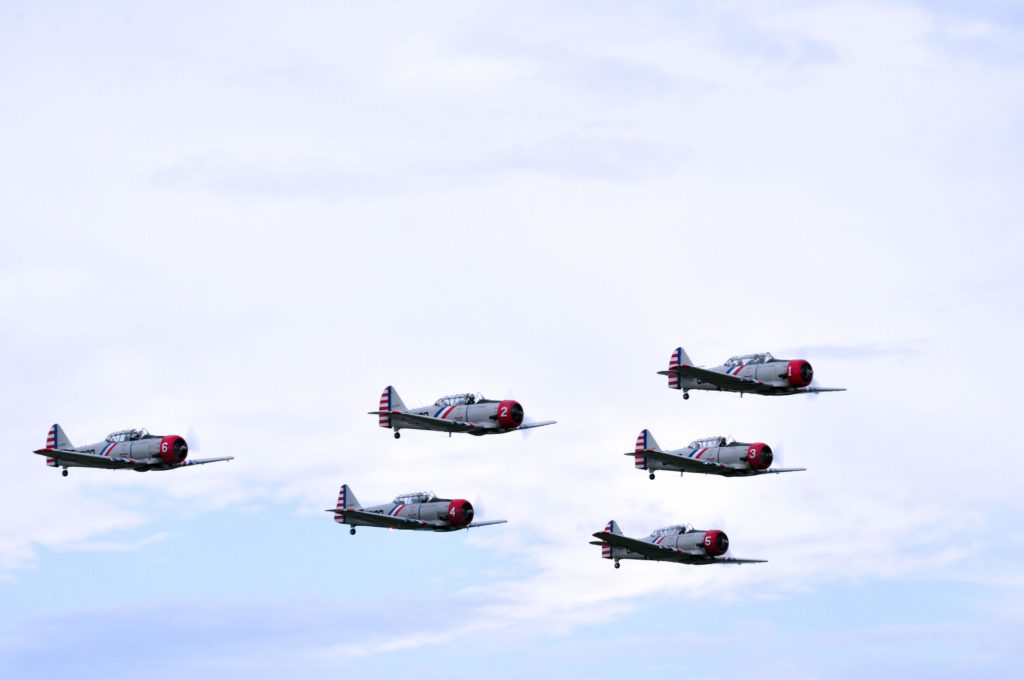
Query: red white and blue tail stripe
(673, 362)
(639, 459)
(384, 418)
(51, 444)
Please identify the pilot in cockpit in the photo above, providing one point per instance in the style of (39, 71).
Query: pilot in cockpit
(470, 399)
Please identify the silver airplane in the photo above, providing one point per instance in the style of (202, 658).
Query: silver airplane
(680, 543)
(710, 456)
(135, 449)
(469, 413)
(750, 373)
(412, 511)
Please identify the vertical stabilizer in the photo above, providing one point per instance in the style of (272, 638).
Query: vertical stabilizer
(678, 358)
(644, 442)
(346, 501)
(56, 439)
(612, 528)
(389, 401)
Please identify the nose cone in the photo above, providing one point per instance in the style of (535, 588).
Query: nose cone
(715, 543)
(173, 449)
(799, 373)
(760, 456)
(460, 512)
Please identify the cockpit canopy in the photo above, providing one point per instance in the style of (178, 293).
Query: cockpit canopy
(708, 442)
(127, 435)
(747, 359)
(418, 497)
(459, 399)
(673, 530)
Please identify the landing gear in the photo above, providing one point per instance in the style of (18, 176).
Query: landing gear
(64, 472)
(398, 435)
(352, 531)
(617, 565)
(686, 395)
(651, 475)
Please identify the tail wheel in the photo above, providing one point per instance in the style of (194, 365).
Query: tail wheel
(686, 395)
(64, 472)
(651, 475)
(352, 531)
(617, 565)
(398, 435)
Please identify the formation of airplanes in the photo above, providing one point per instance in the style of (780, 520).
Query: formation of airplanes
(473, 414)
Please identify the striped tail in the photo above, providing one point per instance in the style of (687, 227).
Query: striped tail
(389, 401)
(673, 362)
(644, 442)
(612, 528)
(56, 439)
(346, 501)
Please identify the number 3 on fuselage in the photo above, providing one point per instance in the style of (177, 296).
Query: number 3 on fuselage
(470, 413)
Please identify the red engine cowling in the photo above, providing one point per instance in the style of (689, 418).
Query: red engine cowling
(760, 456)
(799, 373)
(173, 449)
(460, 512)
(715, 543)
(510, 414)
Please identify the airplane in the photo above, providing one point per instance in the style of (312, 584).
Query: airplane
(679, 543)
(135, 449)
(751, 373)
(412, 511)
(711, 456)
(456, 413)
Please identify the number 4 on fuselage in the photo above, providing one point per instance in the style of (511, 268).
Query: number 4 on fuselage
(470, 413)
(750, 373)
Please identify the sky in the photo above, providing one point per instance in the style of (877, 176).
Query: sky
(239, 222)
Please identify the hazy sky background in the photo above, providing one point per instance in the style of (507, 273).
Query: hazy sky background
(245, 219)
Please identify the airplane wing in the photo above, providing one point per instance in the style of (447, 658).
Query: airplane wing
(771, 471)
(733, 560)
(825, 389)
(684, 463)
(486, 523)
(720, 380)
(203, 461)
(88, 459)
(387, 521)
(540, 423)
(429, 422)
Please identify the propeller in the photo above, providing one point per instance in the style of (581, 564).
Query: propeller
(192, 437)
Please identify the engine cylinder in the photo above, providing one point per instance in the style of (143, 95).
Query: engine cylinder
(799, 373)
(715, 543)
(173, 449)
(460, 512)
(760, 456)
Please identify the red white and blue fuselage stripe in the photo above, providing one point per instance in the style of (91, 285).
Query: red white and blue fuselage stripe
(444, 412)
(697, 453)
(394, 511)
(108, 449)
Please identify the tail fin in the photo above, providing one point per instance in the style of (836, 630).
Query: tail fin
(644, 442)
(389, 401)
(56, 439)
(612, 528)
(346, 501)
(678, 358)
